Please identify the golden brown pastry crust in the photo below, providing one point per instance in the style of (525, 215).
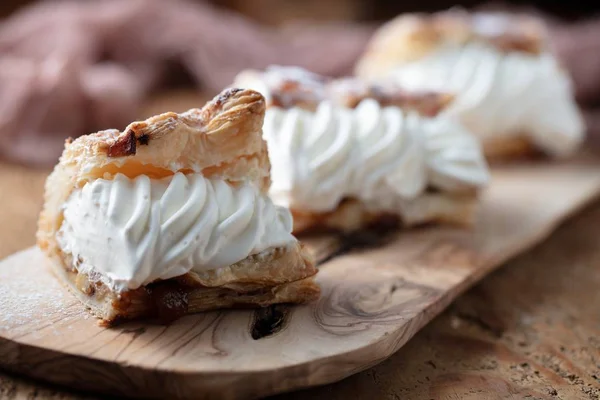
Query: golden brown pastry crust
(306, 92)
(501, 149)
(352, 215)
(349, 92)
(410, 37)
(222, 140)
(276, 276)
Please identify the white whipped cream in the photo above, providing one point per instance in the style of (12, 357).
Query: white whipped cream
(378, 155)
(501, 94)
(136, 231)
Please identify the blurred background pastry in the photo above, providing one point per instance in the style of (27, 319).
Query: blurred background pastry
(346, 154)
(510, 89)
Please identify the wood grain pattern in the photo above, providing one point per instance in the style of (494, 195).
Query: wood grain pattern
(528, 331)
(373, 302)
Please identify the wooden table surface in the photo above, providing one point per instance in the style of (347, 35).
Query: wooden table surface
(530, 330)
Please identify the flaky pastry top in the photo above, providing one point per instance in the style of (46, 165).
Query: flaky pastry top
(410, 37)
(211, 140)
(222, 140)
(288, 87)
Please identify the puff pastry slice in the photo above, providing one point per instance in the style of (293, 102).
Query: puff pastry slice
(347, 154)
(171, 216)
(510, 88)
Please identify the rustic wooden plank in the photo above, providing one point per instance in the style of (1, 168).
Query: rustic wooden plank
(528, 331)
(373, 302)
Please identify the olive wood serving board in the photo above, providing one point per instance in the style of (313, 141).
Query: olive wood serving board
(378, 291)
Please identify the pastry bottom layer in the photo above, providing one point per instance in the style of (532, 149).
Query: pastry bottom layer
(255, 286)
(500, 149)
(352, 214)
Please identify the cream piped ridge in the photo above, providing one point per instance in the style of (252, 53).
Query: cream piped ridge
(136, 231)
(372, 153)
(501, 93)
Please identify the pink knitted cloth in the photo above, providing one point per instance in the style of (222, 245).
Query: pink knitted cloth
(72, 67)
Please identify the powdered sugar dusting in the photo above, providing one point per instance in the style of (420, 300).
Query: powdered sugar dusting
(29, 294)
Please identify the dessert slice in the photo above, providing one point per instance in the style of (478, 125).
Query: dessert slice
(510, 89)
(346, 154)
(171, 216)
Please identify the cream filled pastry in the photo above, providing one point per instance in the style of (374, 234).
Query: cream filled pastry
(375, 151)
(174, 210)
(510, 89)
(137, 231)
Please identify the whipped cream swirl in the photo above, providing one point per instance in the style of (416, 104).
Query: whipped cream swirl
(375, 154)
(502, 94)
(136, 231)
